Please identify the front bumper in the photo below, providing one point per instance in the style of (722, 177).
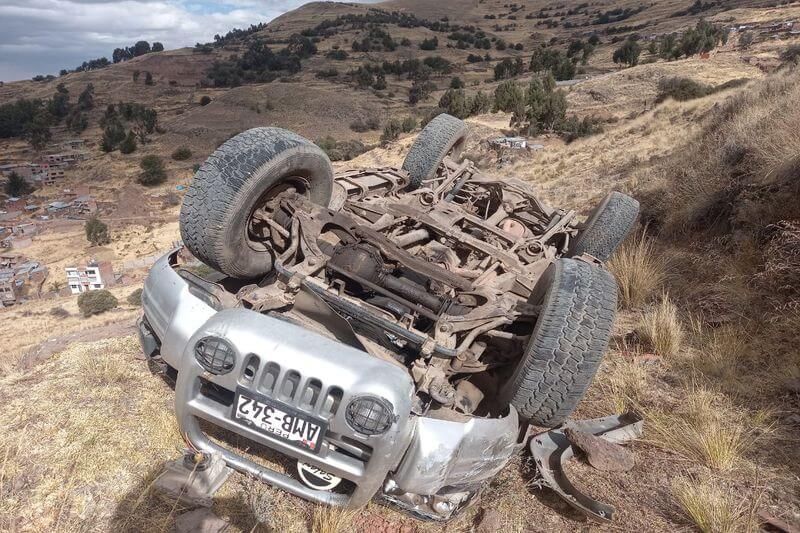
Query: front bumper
(416, 455)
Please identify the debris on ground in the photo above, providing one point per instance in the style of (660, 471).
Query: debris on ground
(553, 448)
(489, 521)
(193, 479)
(200, 521)
(771, 522)
(601, 454)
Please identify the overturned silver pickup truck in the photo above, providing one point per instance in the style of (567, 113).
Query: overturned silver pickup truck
(393, 331)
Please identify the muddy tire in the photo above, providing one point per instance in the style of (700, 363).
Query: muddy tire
(607, 226)
(233, 182)
(443, 135)
(567, 344)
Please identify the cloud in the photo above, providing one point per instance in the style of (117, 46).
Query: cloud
(44, 36)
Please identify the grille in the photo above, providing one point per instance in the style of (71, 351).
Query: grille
(370, 415)
(215, 355)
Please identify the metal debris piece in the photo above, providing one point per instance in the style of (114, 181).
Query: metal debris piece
(601, 454)
(552, 449)
(194, 479)
(775, 523)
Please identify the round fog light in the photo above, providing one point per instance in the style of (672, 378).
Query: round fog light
(370, 415)
(215, 355)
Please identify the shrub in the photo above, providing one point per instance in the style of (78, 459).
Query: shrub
(96, 232)
(96, 302)
(639, 271)
(628, 53)
(545, 107)
(553, 60)
(429, 44)
(456, 83)
(681, 89)
(710, 507)
(791, 54)
(205, 100)
(409, 124)
(661, 329)
(128, 146)
(153, 172)
(454, 102)
(574, 128)
(341, 150)
(480, 103)
(327, 73)
(135, 298)
(181, 154)
(59, 312)
(391, 131)
(361, 125)
(339, 55)
(508, 97)
(419, 91)
(148, 79)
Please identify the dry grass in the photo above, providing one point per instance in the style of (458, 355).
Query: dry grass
(711, 508)
(701, 430)
(328, 519)
(639, 269)
(661, 329)
(623, 384)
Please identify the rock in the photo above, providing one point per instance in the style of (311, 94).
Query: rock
(200, 521)
(490, 521)
(600, 453)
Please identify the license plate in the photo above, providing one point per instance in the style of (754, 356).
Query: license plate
(278, 420)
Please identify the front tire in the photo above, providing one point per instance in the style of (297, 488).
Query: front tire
(607, 226)
(234, 181)
(442, 136)
(567, 344)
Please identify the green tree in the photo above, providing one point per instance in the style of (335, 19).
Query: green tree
(419, 91)
(37, 131)
(86, 98)
(508, 97)
(96, 302)
(153, 171)
(456, 83)
(113, 134)
(17, 186)
(128, 146)
(628, 53)
(59, 104)
(76, 121)
(454, 102)
(545, 107)
(96, 232)
(480, 103)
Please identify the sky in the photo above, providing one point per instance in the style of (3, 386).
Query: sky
(45, 36)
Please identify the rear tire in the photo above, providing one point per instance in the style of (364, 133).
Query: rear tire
(443, 135)
(233, 182)
(607, 226)
(567, 344)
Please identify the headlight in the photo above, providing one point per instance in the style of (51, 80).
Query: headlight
(215, 355)
(370, 415)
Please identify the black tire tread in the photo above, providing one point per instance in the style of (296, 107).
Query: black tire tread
(430, 147)
(211, 199)
(567, 344)
(607, 227)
